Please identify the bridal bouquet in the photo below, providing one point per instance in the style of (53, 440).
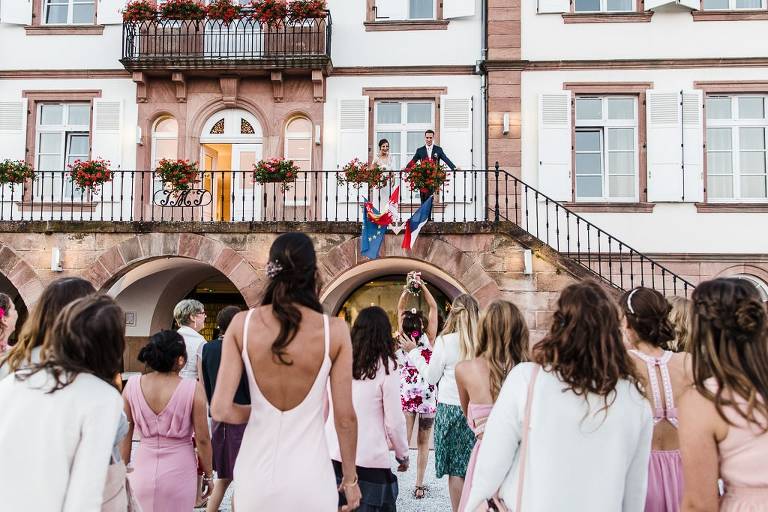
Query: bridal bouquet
(413, 283)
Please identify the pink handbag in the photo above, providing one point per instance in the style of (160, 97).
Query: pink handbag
(497, 504)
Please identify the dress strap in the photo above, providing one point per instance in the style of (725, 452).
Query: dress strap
(327, 336)
(245, 334)
(660, 411)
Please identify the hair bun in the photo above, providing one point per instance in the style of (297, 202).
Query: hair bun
(749, 317)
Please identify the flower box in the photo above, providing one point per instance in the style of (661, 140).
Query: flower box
(357, 174)
(15, 171)
(269, 12)
(140, 10)
(276, 170)
(89, 175)
(224, 10)
(426, 176)
(183, 10)
(300, 10)
(179, 174)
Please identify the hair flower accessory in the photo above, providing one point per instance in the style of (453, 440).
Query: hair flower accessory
(273, 268)
(413, 311)
(2, 312)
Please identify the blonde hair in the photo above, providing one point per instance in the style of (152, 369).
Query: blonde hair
(502, 340)
(680, 318)
(463, 320)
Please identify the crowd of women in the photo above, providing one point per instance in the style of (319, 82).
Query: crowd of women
(631, 404)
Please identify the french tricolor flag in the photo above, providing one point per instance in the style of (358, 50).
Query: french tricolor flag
(416, 222)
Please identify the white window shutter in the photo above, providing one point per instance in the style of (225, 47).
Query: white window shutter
(456, 140)
(692, 4)
(352, 122)
(13, 129)
(554, 6)
(555, 145)
(458, 8)
(665, 173)
(16, 12)
(391, 9)
(693, 146)
(107, 140)
(109, 12)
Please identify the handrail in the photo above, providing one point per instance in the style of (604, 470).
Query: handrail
(600, 253)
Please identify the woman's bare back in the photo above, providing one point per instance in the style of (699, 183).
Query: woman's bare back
(473, 379)
(286, 386)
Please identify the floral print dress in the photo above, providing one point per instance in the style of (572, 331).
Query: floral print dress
(415, 395)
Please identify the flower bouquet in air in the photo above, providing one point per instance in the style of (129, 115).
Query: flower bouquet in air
(90, 174)
(276, 170)
(426, 176)
(139, 10)
(15, 171)
(413, 283)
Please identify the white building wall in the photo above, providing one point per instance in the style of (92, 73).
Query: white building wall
(671, 33)
(671, 228)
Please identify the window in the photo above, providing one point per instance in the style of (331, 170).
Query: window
(63, 136)
(606, 148)
(298, 147)
(736, 147)
(404, 10)
(604, 5)
(165, 142)
(69, 12)
(732, 5)
(761, 286)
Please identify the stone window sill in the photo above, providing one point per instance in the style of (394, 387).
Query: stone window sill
(732, 207)
(387, 26)
(610, 207)
(64, 30)
(729, 15)
(608, 17)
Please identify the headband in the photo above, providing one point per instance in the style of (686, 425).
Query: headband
(629, 301)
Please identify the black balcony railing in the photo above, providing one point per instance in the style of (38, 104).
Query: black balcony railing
(317, 196)
(245, 42)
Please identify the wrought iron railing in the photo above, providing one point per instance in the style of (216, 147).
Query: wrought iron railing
(321, 196)
(214, 43)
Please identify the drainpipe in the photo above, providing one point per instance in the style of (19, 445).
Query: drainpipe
(484, 81)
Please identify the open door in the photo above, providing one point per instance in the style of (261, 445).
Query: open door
(247, 204)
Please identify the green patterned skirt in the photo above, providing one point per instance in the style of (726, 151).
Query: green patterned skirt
(454, 441)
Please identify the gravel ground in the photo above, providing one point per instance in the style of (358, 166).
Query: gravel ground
(436, 499)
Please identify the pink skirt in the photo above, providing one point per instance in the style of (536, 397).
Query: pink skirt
(665, 482)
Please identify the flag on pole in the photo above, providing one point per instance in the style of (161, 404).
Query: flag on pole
(416, 222)
(373, 233)
(391, 214)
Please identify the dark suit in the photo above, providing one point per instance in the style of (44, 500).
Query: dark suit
(438, 155)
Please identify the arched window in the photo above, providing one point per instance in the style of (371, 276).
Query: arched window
(298, 147)
(761, 286)
(165, 140)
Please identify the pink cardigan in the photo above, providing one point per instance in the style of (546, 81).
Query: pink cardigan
(380, 419)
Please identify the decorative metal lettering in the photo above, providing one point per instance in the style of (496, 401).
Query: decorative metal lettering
(173, 198)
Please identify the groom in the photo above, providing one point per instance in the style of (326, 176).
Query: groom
(430, 151)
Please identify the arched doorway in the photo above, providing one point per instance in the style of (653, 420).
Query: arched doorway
(148, 293)
(385, 292)
(9, 289)
(230, 143)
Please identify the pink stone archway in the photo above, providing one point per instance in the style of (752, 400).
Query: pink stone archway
(21, 275)
(441, 260)
(127, 255)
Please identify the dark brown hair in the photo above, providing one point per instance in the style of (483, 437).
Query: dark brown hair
(225, 316)
(163, 351)
(88, 336)
(584, 345)
(729, 345)
(54, 298)
(647, 313)
(372, 343)
(502, 340)
(294, 282)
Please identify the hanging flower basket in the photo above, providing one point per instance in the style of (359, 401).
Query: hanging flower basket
(90, 174)
(357, 174)
(15, 171)
(179, 174)
(300, 10)
(426, 176)
(276, 170)
(139, 10)
(182, 10)
(224, 10)
(269, 12)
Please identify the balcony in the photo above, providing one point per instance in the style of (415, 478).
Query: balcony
(212, 45)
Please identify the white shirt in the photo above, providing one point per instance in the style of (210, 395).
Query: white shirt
(441, 368)
(56, 447)
(592, 463)
(194, 342)
(429, 150)
(34, 358)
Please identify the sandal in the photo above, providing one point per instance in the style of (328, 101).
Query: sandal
(419, 492)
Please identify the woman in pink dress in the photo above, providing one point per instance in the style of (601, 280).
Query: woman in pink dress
(724, 419)
(502, 342)
(290, 351)
(665, 377)
(167, 410)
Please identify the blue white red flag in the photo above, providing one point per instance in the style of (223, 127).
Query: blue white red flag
(390, 215)
(416, 222)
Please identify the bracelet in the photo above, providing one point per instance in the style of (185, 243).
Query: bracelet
(353, 482)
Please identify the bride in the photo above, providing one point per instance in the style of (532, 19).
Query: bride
(385, 160)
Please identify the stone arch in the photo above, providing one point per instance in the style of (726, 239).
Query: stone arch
(130, 253)
(202, 115)
(21, 275)
(343, 269)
